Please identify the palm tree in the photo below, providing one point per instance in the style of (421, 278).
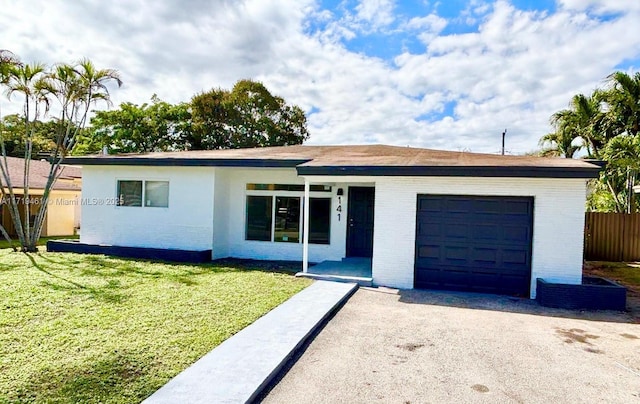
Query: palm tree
(584, 118)
(622, 154)
(7, 60)
(561, 143)
(28, 80)
(76, 88)
(623, 98)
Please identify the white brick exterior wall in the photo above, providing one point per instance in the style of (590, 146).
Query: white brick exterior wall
(186, 224)
(236, 192)
(207, 210)
(557, 230)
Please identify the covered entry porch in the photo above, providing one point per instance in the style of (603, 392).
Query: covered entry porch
(354, 207)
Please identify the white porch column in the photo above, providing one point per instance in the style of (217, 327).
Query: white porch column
(305, 226)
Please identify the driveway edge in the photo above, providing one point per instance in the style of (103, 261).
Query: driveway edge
(239, 369)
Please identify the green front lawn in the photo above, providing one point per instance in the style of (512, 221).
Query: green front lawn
(89, 328)
(42, 241)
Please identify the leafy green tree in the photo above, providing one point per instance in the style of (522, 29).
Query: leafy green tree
(76, 87)
(132, 128)
(13, 135)
(247, 116)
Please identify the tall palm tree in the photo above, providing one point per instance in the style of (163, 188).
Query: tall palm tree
(76, 87)
(29, 81)
(8, 60)
(623, 98)
(584, 119)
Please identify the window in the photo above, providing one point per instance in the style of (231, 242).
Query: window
(129, 193)
(156, 193)
(287, 227)
(287, 187)
(319, 220)
(279, 218)
(259, 213)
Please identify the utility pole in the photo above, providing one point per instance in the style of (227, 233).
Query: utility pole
(503, 135)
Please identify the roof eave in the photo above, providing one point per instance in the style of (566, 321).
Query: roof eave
(452, 171)
(185, 162)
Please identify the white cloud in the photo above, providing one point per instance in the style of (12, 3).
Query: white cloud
(514, 71)
(427, 27)
(378, 13)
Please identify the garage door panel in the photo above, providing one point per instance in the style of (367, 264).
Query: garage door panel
(484, 255)
(458, 205)
(456, 254)
(474, 243)
(486, 206)
(485, 232)
(430, 229)
(429, 251)
(515, 257)
(456, 231)
(521, 207)
(430, 205)
(519, 234)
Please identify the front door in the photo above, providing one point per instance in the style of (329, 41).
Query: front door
(360, 222)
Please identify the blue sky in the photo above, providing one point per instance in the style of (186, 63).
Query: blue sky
(448, 74)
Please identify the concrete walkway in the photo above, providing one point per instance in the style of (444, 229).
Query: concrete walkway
(239, 368)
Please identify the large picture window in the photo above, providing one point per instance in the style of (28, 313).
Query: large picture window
(279, 218)
(319, 220)
(287, 227)
(259, 211)
(154, 194)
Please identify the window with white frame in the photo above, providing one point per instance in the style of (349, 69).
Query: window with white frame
(154, 194)
(277, 216)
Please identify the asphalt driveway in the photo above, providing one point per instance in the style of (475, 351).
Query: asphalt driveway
(433, 347)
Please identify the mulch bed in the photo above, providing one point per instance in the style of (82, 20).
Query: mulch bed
(600, 269)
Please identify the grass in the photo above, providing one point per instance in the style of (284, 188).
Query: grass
(42, 241)
(94, 329)
(627, 274)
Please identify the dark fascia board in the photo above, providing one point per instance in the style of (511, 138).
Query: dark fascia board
(174, 162)
(454, 171)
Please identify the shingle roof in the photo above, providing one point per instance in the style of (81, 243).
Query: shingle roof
(359, 160)
(38, 173)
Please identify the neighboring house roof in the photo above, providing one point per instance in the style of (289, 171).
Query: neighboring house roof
(360, 160)
(38, 173)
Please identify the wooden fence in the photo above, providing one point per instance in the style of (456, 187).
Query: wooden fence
(612, 236)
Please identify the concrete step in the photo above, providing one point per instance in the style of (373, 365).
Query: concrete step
(361, 281)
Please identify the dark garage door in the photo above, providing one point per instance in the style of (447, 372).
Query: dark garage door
(474, 243)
